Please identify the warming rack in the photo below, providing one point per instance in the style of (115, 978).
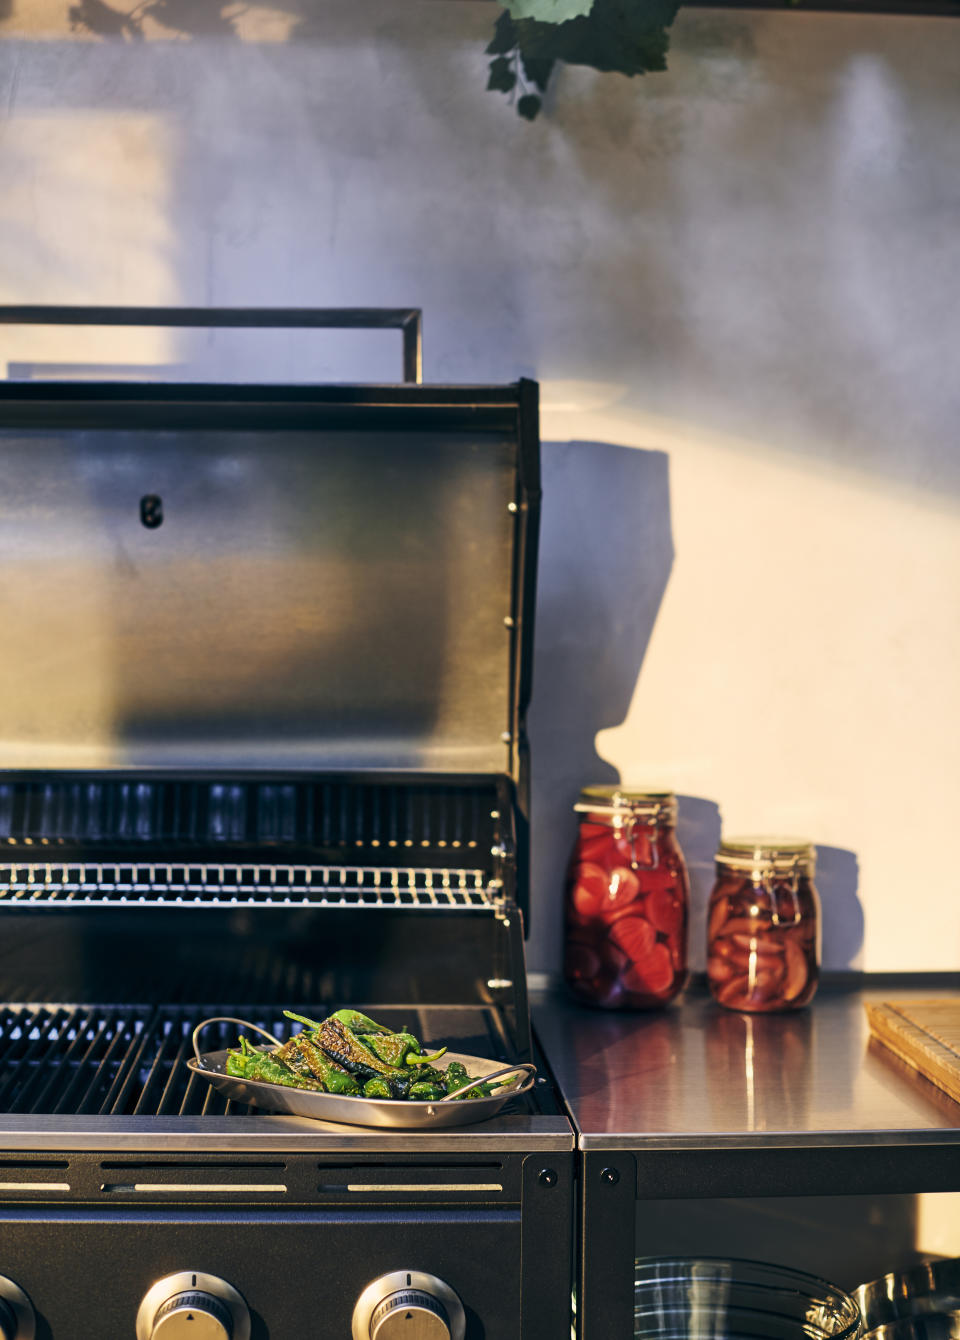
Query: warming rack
(106, 884)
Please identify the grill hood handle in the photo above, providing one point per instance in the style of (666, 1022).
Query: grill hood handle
(408, 320)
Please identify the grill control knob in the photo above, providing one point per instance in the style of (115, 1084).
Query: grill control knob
(195, 1314)
(16, 1312)
(193, 1306)
(408, 1305)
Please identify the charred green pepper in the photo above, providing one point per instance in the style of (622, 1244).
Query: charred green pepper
(378, 1088)
(422, 1092)
(268, 1068)
(306, 1058)
(400, 1049)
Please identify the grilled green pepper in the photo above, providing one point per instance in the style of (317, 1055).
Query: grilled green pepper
(266, 1067)
(423, 1092)
(350, 1052)
(304, 1057)
(359, 1023)
(378, 1088)
(399, 1049)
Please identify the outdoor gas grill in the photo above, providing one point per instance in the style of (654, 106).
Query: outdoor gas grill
(266, 657)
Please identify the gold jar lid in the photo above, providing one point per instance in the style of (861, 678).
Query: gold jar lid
(655, 805)
(768, 855)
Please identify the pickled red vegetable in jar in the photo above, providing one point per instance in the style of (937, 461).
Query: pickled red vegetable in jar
(626, 901)
(763, 925)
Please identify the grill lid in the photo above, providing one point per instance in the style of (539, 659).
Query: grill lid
(266, 578)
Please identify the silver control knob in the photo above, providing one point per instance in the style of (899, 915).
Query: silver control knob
(408, 1305)
(412, 1314)
(17, 1320)
(196, 1314)
(193, 1306)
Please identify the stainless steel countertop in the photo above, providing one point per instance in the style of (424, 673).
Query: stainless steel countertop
(274, 1134)
(698, 1076)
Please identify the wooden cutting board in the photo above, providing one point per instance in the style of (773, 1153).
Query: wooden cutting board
(925, 1034)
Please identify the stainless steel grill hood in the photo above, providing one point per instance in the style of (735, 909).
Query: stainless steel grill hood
(336, 581)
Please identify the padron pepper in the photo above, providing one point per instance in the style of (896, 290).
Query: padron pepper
(400, 1049)
(257, 1065)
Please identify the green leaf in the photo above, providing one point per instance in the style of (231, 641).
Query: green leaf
(549, 11)
(502, 75)
(528, 106)
(504, 36)
(537, 71)
(625, 35)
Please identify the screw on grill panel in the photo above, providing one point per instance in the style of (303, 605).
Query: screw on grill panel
(151, 510)
(609, 1176)
(547, 1177)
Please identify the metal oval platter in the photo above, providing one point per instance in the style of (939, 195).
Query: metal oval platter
(382, 1112)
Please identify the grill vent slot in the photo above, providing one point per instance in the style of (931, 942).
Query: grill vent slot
(306, 814)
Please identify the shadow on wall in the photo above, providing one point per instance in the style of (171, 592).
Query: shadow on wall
(698, 832)
(606, 551)
(194, 18)
(837, 879)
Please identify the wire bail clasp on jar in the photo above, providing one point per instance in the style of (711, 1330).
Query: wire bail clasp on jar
(630, 813)
(770, 867)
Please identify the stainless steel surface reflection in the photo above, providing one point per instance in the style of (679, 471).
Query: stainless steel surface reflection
(696, 1075)
(292, 597)
(923, 1290)
(690, 1298)
(926, 1326)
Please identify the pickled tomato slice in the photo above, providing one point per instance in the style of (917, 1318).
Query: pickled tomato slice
(720, 969)
(589, 888)
(719, 913)
(654, 975)
(762, 943)
(622, 890)
(797, 971)
(635, 936)
(664, 910)
(599, 849)
(733, 992)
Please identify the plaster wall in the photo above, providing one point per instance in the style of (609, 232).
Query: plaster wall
(737, 283)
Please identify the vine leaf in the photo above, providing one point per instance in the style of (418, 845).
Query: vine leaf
(502, 75)
(626, 36)
(629, 36)
(504, 36)
(537, 70)
(549, 11)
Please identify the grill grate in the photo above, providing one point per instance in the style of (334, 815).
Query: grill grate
(64, 1059)
(109, 884)
(130, 1060)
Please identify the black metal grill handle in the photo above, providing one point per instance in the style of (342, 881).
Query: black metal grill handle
(408, 320)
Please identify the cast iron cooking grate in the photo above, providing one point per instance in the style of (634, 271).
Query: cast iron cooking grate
(131, 1060)
(66, 1059)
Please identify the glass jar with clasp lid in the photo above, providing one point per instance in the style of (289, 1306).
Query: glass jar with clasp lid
(763, 925)
(627, 900)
